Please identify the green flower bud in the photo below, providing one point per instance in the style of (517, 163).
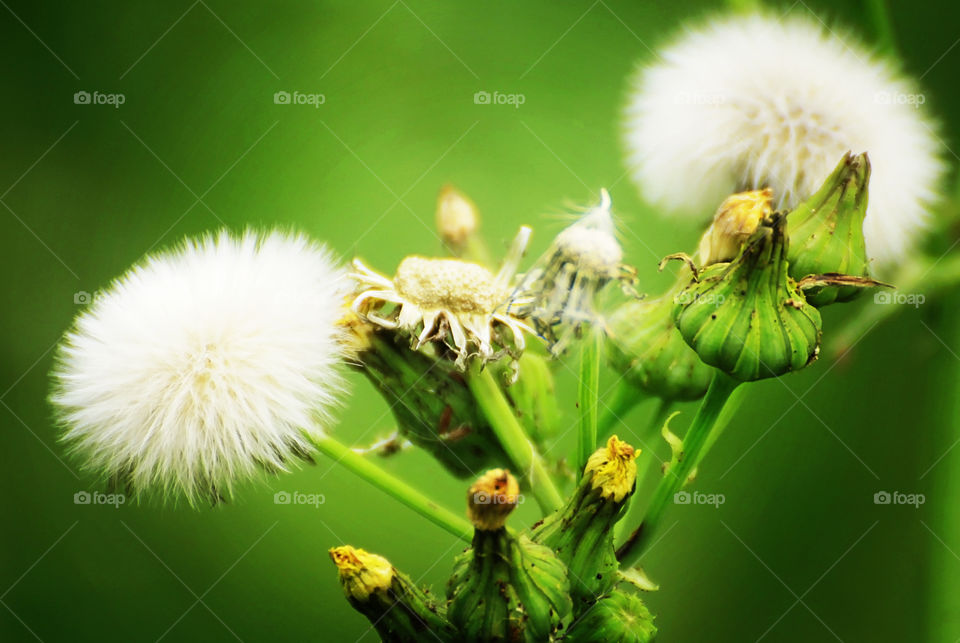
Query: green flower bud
(748, 318)
(619, 616)
(582, 531)
(826, 231)
(400, 611)
(646, 347)
(505, 587)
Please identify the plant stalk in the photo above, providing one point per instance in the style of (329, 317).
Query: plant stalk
(589, 396)
(674, 478)
(513, 438)
(393, 486)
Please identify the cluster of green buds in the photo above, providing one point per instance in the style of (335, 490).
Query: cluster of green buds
(748, 304)
(560, 581)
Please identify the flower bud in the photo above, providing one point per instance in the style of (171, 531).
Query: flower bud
(646, 347)
(456, 218)
(737, 218)
(748, 318)
(581, 532)
(400, 611)
(492, 498)
(619, 616)
(826, 231)
(505, 587)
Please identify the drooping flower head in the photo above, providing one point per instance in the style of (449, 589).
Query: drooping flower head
(558, 294)
(203, 364)
(756, 101)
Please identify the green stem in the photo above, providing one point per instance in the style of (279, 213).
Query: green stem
(882, 26)
(589, 396)
(393, 486)
(673, 480)
(512, 437)
(729, 410)
(616, 406)
(645, 461)
(943, 590)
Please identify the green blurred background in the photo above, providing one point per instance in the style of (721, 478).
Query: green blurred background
(199, 142)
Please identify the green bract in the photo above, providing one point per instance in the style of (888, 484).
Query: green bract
(647, 348)
(826, 231)
(619, 616)
(748, 317)
(507, 588)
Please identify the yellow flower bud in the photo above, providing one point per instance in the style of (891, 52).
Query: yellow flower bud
(492, 498)
(361, 573)
(735, 221)
(613, 469)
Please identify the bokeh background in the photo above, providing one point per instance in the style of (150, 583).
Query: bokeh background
(798, 552)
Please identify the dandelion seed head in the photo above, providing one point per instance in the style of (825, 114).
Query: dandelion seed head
(757, 101)
(204, 364)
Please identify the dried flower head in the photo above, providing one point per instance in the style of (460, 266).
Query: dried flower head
(558, 294)
(205, 363)
(457, 303)
(746, 102)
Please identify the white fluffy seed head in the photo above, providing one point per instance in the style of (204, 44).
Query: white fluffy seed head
(753, 101)
(202, 365)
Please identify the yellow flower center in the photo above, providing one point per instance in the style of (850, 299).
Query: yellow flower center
(449, 284)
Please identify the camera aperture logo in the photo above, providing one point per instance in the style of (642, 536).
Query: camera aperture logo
(498, 98)
(898, 498)
(298, 98)
(99, 98)
(97, 498)
(299, 498)
(484, 498)
(699, 498)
